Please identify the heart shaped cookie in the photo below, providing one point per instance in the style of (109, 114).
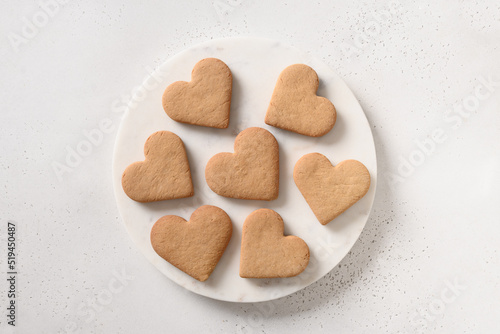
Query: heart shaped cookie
(252, 172)
(296, 107)
(193, 246)
(165, 173)
(266, 252)
(205, 100)
(329, 190)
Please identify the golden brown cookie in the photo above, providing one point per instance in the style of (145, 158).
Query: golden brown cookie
(329, 190)
(205, 100)
(193, 246)
(163, 175)
(266, 252)
(296, 107)
(251, 172)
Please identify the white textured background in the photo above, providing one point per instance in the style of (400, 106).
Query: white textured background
(428, 260)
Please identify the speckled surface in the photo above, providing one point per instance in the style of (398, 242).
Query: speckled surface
(435, 227)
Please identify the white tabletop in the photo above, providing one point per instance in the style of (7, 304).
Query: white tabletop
(427, 75)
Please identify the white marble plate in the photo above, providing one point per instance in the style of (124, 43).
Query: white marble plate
(255, 64)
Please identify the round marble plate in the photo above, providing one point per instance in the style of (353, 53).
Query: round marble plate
(255, 65)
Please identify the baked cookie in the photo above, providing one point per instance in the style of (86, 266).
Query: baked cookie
(205, 100)
(165, 173)
(296, 107)
(330, 190)
(193, 246)
(266, 252)
(251, 172)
